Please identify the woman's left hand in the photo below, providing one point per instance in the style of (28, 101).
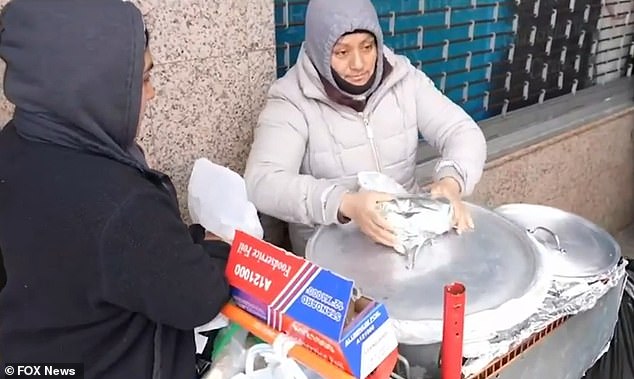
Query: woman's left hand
(450, 189)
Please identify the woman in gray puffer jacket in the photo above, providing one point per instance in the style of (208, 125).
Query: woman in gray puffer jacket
(349, 105)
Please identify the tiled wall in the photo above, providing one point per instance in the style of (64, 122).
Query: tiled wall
(494, 56)
(214, 60)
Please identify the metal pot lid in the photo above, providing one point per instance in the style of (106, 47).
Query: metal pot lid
(496, 262)
(579, 247)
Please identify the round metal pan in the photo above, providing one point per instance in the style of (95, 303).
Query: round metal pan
(496, 262)
(578, 248)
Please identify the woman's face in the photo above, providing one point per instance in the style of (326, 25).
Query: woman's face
(354, 57)
(147, 93)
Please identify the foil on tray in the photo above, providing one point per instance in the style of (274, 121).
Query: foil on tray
(417, 219)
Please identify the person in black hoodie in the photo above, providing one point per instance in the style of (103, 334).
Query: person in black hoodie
(101, 270)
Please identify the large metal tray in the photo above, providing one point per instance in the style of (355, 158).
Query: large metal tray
(497, 262)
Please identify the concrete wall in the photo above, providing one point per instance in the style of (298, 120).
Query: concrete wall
(588, 171)
(214, 60)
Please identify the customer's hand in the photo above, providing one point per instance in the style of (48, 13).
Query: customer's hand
(450, 189)
(363, 209)
(209, 236)
(199, 234)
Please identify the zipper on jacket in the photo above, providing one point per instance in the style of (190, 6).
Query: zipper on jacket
(370, 134)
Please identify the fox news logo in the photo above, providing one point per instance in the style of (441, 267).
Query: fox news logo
(43, 370)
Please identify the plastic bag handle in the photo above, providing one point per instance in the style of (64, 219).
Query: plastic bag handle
(277, 353)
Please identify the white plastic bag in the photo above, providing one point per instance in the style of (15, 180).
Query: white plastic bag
(277, 366)
(375, 181)
(218, 322)
(230, 358)
(277, 363)
(217, 200)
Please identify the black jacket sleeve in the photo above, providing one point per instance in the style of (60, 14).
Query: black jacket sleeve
(151, 265)
(3, 274)
(215, 248)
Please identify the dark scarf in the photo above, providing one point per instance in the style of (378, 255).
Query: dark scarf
(343, 92)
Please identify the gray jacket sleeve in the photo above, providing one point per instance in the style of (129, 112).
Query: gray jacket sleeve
(448, 128)
(272, 176)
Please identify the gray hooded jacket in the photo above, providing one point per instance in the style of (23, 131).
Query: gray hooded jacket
(308, 149)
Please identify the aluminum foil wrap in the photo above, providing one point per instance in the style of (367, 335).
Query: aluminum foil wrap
(566, 297)
(415, 218)
(416, 221)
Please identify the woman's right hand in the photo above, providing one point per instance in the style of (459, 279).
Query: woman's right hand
(363, 209)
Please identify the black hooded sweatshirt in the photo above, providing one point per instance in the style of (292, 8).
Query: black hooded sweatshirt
(100, 268)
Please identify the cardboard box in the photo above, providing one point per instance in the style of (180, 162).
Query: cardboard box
(312, 304)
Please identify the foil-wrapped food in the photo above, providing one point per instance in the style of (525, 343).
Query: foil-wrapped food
(416, 218)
